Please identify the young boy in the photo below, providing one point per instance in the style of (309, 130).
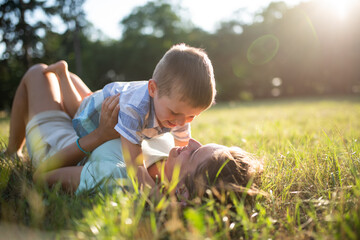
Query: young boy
(182, 86)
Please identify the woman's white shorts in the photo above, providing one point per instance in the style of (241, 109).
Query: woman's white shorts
(50, 131)
(47, 133)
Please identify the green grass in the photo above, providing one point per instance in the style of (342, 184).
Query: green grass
(312, 175)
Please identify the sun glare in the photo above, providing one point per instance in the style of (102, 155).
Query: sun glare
(340, 7)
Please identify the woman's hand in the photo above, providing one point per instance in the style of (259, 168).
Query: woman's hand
(109, 117)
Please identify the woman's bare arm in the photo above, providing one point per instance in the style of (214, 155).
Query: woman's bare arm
(71, 155)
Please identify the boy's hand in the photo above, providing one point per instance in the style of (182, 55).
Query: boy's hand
(109, 117)
(144, 178)
(154, 169)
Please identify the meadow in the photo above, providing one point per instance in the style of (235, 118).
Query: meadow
(311, 181)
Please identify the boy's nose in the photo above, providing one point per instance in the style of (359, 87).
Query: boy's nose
(189, 119)
(180, 120)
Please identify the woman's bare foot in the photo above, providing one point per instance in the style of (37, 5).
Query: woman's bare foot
(17, 155)
(60, 67)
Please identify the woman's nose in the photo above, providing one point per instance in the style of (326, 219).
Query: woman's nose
(193, 144)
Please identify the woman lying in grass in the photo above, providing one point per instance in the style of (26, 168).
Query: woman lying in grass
(38, 112)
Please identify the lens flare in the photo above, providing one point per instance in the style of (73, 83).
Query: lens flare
(263, 49)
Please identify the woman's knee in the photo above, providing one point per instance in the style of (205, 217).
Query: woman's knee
(33, 73)
(37, 68)
(35, 81)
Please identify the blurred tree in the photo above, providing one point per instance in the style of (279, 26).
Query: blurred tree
(25, 27)
(244, 55)
(157, 18)
(22, 41)
(21, 38)
(148, 32)
(272, 13)
(299, 55)
(304, 50)
(225, 52)
(73, 15)
(262, 49)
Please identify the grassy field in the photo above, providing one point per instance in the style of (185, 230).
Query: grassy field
(311, 150)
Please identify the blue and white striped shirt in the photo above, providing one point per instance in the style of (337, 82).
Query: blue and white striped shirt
(136, 120)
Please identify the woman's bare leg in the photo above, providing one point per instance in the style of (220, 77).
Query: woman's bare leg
(80, 86)
(18, 120)
(73, 89)
(71, 96)
(36, 93)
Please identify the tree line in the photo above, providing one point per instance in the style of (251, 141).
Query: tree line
(284, 52)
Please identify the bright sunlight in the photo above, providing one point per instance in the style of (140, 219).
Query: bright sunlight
(340, 7)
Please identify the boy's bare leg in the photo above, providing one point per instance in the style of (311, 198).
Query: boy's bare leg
(71, 96)
(36, 93)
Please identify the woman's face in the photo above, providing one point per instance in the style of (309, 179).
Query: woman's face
(189, 157)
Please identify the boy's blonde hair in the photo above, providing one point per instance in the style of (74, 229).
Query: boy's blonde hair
(187, 72)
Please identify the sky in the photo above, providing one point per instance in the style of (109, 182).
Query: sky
(106, 14)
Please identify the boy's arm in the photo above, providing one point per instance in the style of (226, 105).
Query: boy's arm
(71, 97)
(132, 151)
(181, 132)
(146, 182)
(180, 143)
(144, 179)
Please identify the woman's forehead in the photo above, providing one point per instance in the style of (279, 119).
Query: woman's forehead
(213, 146)
(207, 150)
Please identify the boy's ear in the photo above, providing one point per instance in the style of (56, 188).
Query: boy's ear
(152, 87)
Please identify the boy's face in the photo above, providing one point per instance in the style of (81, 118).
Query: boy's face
(169, 111)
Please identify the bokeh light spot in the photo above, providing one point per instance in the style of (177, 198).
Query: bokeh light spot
(276, 82)
(275, 92)
(263, 49)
